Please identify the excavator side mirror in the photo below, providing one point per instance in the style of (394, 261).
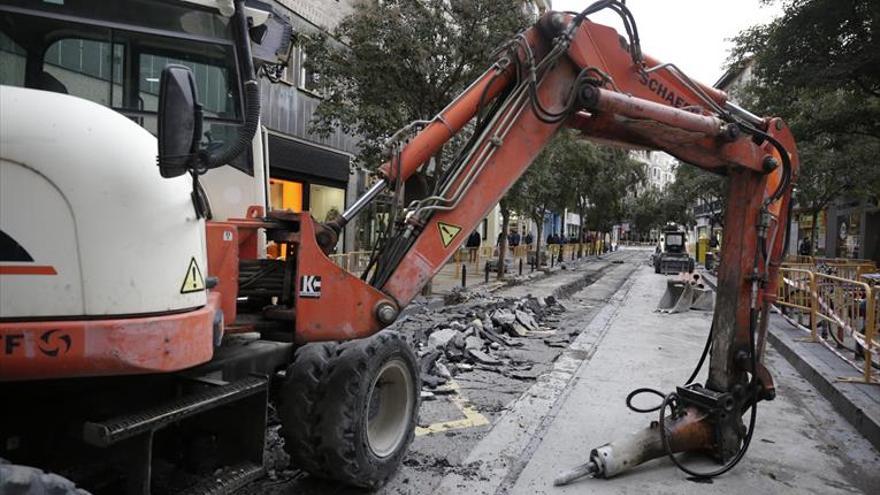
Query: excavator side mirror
(180, 121)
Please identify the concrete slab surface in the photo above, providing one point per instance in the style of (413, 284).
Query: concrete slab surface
(801, 444)
(858, 403)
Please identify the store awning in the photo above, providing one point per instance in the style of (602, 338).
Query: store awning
(302, 158)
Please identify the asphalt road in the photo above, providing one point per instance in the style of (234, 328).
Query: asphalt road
(499, 435)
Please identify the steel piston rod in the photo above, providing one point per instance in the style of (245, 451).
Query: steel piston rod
(744, 114)
(363, 201)
(638, 108)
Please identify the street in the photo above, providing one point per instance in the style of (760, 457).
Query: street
(497, 434)
(439, 247)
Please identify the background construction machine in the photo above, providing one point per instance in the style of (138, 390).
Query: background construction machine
(141, 342)
(670, 255)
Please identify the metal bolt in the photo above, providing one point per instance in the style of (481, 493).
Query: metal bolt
(386, 313)
(730, 132)
(589, 96)
(769, 164)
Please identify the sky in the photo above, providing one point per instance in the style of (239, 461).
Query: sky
(692, 34)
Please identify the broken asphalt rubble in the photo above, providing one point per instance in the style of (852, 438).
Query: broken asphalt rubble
(480, 334)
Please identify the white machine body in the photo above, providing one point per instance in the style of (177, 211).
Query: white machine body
(81, 195)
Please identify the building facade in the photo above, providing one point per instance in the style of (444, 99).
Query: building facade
(659, 168)
(306, 172)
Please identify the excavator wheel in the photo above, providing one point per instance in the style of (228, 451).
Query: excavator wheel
(298, 403)
(26, 480)
(349, 410)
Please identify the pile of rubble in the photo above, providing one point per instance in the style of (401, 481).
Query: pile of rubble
(482, 335)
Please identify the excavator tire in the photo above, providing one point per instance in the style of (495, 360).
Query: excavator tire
(26, 480)
(361, 402)
(298, 403)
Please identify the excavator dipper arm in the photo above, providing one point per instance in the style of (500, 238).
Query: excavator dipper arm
(567, 71)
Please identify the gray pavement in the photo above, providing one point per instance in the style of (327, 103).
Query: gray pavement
(513, 436)
(801, 444)
(858, 403)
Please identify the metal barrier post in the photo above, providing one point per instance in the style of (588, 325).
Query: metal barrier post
(520, 266)
(870, 330)
(464, 275)
(487, 272)
(814, 308)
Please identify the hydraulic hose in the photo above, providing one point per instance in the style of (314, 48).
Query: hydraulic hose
(251, 96)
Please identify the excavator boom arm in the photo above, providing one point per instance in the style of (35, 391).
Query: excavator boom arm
(567, 71)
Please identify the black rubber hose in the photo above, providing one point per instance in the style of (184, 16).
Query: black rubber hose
(251, 96)
(646, 390)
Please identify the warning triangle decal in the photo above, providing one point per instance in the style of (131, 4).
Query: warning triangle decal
(448, 232)
(193, 281)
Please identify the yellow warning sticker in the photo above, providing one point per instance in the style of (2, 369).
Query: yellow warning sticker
(448, 232)
(193, 281)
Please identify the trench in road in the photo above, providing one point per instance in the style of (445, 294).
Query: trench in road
(505, 451)
(448, 456)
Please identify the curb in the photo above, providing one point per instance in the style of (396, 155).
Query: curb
(847, 398)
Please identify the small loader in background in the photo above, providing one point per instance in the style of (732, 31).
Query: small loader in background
(671, 256)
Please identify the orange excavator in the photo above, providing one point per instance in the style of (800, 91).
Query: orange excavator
(190, 387)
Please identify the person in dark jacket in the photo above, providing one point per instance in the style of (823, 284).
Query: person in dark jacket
(806, 247)
(473, 246)
(514, 239)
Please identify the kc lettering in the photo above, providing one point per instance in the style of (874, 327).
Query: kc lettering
(310, 286)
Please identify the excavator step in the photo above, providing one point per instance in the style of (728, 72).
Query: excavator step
(109, 432)
(228, 480)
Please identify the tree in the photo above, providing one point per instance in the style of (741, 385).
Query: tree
(403, 61)
(647, 211)
(818, 65)
(543, 188)
(617, 174)
(581, 175)
(694, 186)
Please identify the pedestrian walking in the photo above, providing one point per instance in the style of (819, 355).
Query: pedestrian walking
(473, 246)
(514, 239)
(806, 247)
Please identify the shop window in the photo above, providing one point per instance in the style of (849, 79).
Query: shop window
(849, 239)
(286, 195)
(326, 202)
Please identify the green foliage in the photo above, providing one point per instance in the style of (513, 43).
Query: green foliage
(647, 211)
(692, 186)
(575, 174)
(818, 66)
(402, 61)
(616, 174)
(542, 188)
